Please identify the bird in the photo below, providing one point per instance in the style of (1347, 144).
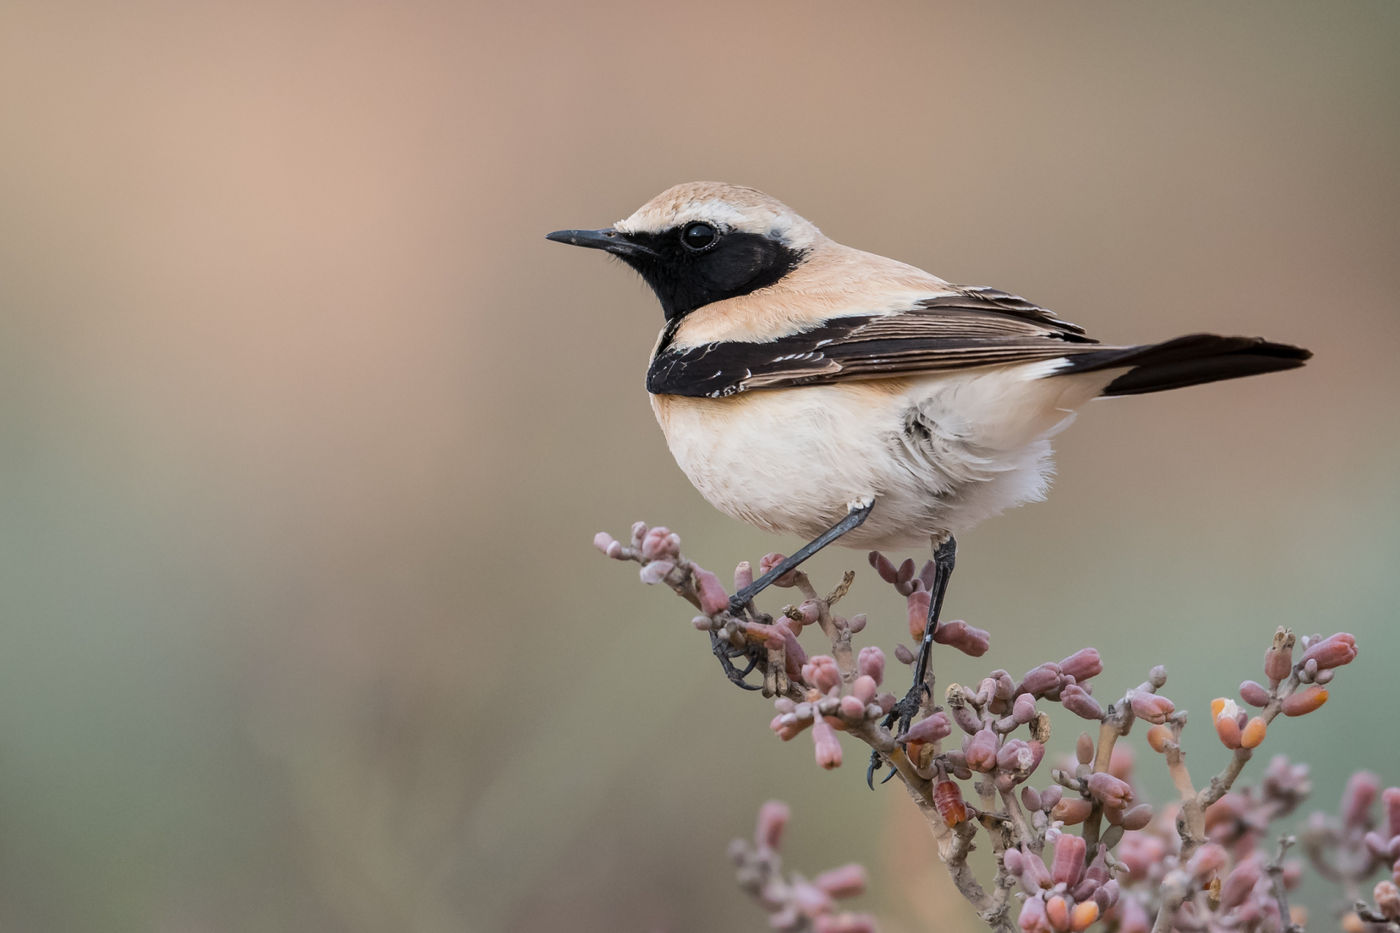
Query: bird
(814, 389)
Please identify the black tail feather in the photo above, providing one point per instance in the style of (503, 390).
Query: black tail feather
(1186, 361)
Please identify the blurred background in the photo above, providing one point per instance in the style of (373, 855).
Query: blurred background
(307, 429)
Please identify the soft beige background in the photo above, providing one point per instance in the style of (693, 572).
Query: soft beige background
(306, 428)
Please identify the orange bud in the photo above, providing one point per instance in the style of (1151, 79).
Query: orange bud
(1216, 706)
(1071, 810)
(1084, 913)
(1253, 733)
(1304, 701)
(1158, 737)
(947, 800)
(1057, 911)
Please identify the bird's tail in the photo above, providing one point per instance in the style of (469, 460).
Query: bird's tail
(1185, 361)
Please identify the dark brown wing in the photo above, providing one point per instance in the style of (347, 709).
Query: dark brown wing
(973, 327)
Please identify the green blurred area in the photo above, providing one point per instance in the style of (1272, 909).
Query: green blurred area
(306, 429)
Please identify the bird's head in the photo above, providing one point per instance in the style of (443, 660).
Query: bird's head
(705, 241)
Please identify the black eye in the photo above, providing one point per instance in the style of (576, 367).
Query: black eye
(698, 237)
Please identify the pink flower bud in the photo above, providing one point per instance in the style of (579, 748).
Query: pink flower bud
(843, 923)
(918, 613)
(1080, 703)
(1109, 790)
(846, 881)
(966, 718)
(905, 572)
(1068, 864)
(743, 575)
(1030, 798)
(773, 818)
(1137, 817)
(1051, 796)
(607, 544)
(660, 543)
(1254, 694)
(1240, 883)
(884, 567)
(856, 623)
(1023, 710)
(1278, 661)
(971, 641)
(931, 728)
(1040, 680)
(1082, 665)
(713, 598)
(1152, 707)
(1332, 651)
(852, 708)
(1358, 798)
(1387, 898)
(822, 673)
(981, 750)
(1390, 799)
(864, 688)
(1207, 862)
(871, 663)
(828, 748)
(1071, 810)
(1304, 701)
(1019, 757)
(1084, 748)
(1032, 918)
(656, 571)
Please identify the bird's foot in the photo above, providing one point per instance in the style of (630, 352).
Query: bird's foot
(725, 652)
(901, 716)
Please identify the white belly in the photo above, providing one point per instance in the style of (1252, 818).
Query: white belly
(937, 454)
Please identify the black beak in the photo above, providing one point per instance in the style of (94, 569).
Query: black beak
(608, 239)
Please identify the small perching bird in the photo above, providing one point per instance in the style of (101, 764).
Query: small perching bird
(810, 388)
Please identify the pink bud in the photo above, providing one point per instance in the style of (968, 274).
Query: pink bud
(852, 708)
(1032, 918)
(1023, 710)
(1082, 665)
(1207, 862)
(1019, 757)
(1068, 863)
(822, 673)
(971, 641)
(1254, 694)
(1077, 701)
(1278, 661)
(713, 598)
(981, 750)
(843, 923)
(1240, 883)
(607, 544)
(1040, 680)
(828, 748)
(1051, 796)
(1110, 790)
(1333, 651)
(905, 572)
(1357, 799)
(856, 623)
(884, 567)
(1387, 897)
(1137, 817)
(660, 543)
(871, 662)
(1152, 707)
(931, 728)
(1084, 748)
(846, 881)
(1132, 916)
(1390, 799)
(743, 575)
(656, 571)
(864, 688)
(773, 818)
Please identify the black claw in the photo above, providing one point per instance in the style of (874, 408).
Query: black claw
(870, 770)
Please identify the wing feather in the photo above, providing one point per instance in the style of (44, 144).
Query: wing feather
(969, 328)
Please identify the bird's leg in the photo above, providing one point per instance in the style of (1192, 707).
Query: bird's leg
(856, 515)
(944, 557)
